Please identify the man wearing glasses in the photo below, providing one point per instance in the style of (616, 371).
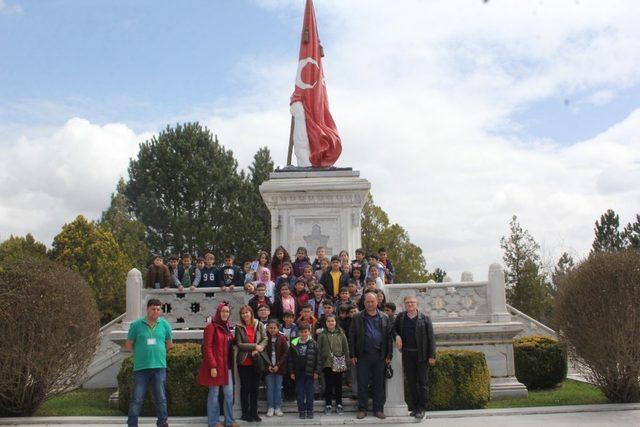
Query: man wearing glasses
(416, 341)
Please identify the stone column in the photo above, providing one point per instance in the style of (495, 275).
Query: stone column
(496, 295)
(134, 296)
(395, 405)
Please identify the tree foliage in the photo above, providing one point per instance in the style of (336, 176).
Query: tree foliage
(49, 332)
(21, 247)
(631, 234)
(377, 232)
(527, 287)
(607, 234)
(259, 171)
(564, 265)
(93, 252)
(186, 188)
(128, 232)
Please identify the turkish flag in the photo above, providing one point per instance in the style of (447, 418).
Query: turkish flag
(311, 92)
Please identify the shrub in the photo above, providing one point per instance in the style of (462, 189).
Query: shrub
(598, 313)
(49, 334)
(184, 395)
(541, 362)
(460, 379)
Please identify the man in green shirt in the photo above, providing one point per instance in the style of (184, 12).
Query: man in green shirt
(150, 338)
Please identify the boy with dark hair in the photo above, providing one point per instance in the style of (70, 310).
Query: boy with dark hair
(387, 265)
(263, 314)
(209, 273)
(344, 297)
(198, 277)
(371, 287)
(327, 306)
(230, 275)
(390, 310)
(333, 280)
(303, 369)
(360, 261)
(188, 273)
(316, 301)
(158, 275)
(290, 330)
(173, 271)
(321, 253)
(259, 299)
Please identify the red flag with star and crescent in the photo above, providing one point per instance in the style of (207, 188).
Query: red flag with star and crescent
(310, 90)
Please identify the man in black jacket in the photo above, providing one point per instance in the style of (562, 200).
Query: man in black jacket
(415, 339)
(371, 346)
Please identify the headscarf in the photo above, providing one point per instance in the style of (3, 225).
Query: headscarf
(217, 320)
(263, 271)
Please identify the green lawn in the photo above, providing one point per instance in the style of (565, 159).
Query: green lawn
(570, 392)
(80, 402)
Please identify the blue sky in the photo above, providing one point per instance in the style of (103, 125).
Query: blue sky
(500, 108)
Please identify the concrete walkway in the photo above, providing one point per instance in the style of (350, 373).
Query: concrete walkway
(614, 415)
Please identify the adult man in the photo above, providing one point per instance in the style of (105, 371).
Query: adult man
(150, 338)
(371, 346)
(416, 341)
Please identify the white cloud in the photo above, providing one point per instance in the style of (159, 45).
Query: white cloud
(601, 97)
(418, 90)
(8, 8)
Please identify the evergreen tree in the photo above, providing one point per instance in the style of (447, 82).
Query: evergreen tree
(128, 232)
(564, 265)
(631, 234)
(377, 232)
(607, 234)
(21, 247)
(259, 172)
(438, 275)
(527, 288)
(93, 252)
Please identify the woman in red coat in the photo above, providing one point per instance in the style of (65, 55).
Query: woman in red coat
(216, 369)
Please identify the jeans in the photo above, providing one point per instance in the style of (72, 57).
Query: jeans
(370, 369)
(274, 390)
(416, 386)
(304, 392)
(213, 405)
(332, 386)
(249, 382)
(158, 379)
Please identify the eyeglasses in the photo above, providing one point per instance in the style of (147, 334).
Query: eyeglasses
(411, 302)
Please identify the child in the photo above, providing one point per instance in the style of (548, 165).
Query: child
(230, 276)
(382, 300)
(390, 311)
(285, 277)
(158, 275)
(374, 261)
(173, 270)
(327, 307)
(371, 287)
(316, 301)
(309, 277)
(263, 314)
(356, 274)
(334, 279)
(198, 279)
(289, 330)
(262, 261)
(302, 260)
(300, 293)
(345, 267)
(264, 277)
(307, 317)
(344, 257)
(259, 299)
(374, 273)
(360, 261)
(303, 369)
(344, 297)
(353, 292)
(284, 302)
(209, 273)
(344, 321)
(385, 262)
(280, 256)
(249, 276)
(321, 253)
(332, 342)
(324, 266)
(353, 310)
(187, 273)
(277, 353)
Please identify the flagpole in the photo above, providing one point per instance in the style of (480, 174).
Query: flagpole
(290, 152)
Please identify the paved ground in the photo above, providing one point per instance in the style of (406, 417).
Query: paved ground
(559, 416)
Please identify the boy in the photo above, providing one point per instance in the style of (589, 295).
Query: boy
(289, 330)
(343, 298)
(187, 273)
(374, 261)
(353, 291)
(230, 276)
(316, 301)
(263, 314)
(303, 369)
(198, 276)
(371, 287)
(360, 262)
(390, 311)
(321, 253)
(158, 275)
(259, 299)
(385, 262)
(209, 273)
(327, 306)
(249, 274)
(173, 270)
(307, 317)
(334, 279)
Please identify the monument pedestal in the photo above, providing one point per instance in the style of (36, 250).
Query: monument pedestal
(312, 208)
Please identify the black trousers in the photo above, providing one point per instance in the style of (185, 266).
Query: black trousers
(249, 382)
(416, 387)
(332, 386)
(370, 372)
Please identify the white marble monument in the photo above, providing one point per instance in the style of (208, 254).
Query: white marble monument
(314, 208)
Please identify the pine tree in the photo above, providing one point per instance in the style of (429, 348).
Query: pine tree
(564, 265)
(259, 172)
(438, 275)
(21, 247)
(631, 234)
(607, 234)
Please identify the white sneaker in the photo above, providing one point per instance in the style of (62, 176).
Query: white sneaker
(270, 412)
(278, 412)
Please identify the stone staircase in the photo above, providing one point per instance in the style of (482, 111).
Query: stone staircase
(103, 370)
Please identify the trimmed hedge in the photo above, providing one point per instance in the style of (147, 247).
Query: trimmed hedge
(460, 379)
(184, 395)
(540, 362)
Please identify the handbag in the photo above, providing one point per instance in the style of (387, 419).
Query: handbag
(338, 363)
(258, 363)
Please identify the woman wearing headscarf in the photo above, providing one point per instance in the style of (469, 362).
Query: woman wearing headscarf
(216, 369)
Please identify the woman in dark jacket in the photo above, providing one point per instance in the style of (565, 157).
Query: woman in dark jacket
(216, 369)
(250, 338)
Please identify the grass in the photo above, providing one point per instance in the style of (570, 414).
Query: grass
(89, 402)
(570, 392)
(80, 402)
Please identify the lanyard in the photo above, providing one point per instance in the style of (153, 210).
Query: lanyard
(151, 329)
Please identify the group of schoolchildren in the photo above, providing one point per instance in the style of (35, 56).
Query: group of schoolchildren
(295, 325)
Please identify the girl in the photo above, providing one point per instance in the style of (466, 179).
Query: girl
(324, 266)
(284, 302)
(280, 256)
(276, 354)
(286, 277)
(264, 276)
(309, 277)
(332, 343)
(344, 257)
(302, 260)
(356, 273)
(250, 339)
(262, 261)
(216, 368)
(300, 293)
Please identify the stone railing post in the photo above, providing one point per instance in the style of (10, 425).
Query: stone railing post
(134, 296)
(466, 276)
(496, 295)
